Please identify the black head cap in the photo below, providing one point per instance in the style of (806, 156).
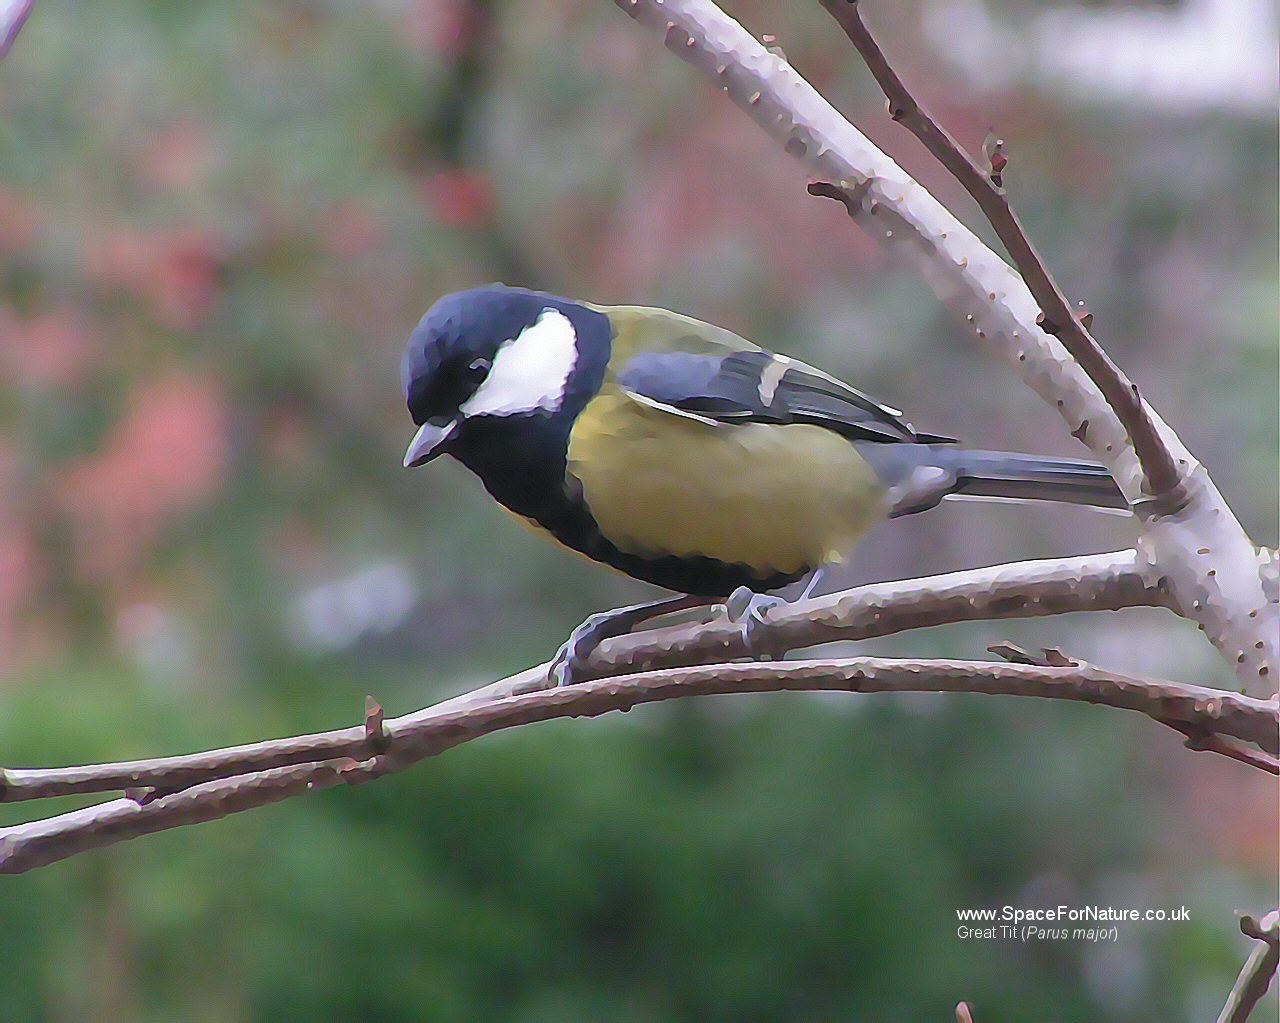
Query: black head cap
(452, 349)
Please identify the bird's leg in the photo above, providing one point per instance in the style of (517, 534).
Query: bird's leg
(570, 660)
(750, 608)
(811, 584)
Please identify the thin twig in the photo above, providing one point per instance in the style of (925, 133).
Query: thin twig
(1258, 970)
(1162, 476)
(13, 15)
(178, 772)
(1196, 739)
(430, 732)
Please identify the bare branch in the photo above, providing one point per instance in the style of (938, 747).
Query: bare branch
(169, 774)
(1196, 738)
(432, 731)
(1096, 582)
(13, 15)
(1259, 968)
(1027, 589)
(1058, 319)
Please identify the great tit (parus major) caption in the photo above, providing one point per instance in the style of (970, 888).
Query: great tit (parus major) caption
(678, 453)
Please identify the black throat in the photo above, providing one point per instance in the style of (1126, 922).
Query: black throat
(521, 459)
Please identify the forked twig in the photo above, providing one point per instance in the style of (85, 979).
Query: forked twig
(985, 185)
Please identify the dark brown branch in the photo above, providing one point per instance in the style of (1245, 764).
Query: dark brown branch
(177, 772)
(1196, 738)
(1163, 480)
(1258, 970)
(1094, 582)
(430, 732)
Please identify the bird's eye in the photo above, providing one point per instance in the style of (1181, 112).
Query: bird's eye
(478, 368)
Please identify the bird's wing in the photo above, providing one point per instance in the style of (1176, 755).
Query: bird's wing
(756, 386)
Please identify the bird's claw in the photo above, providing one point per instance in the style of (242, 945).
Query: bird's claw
(750, 609)
(569, 664)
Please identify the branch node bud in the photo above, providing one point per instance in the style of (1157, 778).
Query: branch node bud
(376, 736)
(852, 198)
(1047, 325)
(993, 147)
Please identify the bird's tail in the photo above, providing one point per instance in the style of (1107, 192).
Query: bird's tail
(921, 475)
(1029, 477)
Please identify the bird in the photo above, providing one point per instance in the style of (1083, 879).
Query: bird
(680, 454)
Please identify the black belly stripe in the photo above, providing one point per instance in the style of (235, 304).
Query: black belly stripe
(524, 469)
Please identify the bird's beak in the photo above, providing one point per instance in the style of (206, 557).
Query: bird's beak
(428, 442)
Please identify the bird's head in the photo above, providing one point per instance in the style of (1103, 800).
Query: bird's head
(490, 352)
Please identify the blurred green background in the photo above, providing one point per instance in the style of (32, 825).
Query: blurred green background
(219, 222)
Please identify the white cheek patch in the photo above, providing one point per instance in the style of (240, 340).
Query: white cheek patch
(530, 371)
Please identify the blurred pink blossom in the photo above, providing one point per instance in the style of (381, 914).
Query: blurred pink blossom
(352, 229)
(441, 26)
(19, 221)
(459, 197)
(175, 272)
(17, 559)
(178, 159)
(165, 455)
(49, 350)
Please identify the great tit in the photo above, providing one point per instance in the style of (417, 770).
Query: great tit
(678, 453)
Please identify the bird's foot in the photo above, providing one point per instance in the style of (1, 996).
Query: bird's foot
(569, 665)
(750, 610)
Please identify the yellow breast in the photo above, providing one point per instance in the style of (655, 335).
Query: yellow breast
(777, 498)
